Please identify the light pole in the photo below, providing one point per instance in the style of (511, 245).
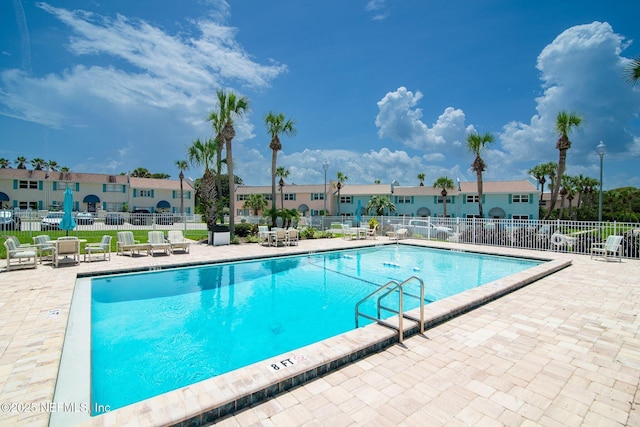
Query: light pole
(325, 166)
(600, 149)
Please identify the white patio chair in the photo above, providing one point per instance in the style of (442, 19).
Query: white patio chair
(610, 249)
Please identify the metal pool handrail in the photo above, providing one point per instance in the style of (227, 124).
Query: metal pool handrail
(392, 286)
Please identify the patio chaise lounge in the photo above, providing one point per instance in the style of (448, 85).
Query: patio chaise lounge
(103, 247)
(610, 249)
(177, 241)
(20, 256)
(126, 243)
(157, 242)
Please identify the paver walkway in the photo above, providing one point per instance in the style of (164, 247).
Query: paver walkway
(562, 351)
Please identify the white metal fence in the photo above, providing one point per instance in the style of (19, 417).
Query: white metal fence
(555, 235)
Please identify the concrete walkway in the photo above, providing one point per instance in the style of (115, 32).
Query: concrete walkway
(562, 351)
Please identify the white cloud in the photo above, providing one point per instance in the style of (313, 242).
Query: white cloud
(180, 72)
(582, 71)
(399, 119)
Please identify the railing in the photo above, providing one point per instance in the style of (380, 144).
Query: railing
(390, 287)
(542, 235)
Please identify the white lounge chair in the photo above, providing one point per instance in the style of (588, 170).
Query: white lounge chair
(610, 249)
(44, 247)
(26, 256)
(126, 243)
(158, 242)
(177, 241)
(66, 248)
(371, 232)
(263, 234)
(348, 233)
(400, 233)
(280, 236)
(103, 247)
(293, 236)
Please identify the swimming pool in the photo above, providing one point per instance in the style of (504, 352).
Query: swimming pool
(180, 326)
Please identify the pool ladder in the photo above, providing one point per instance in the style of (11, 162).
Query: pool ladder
(390, 287)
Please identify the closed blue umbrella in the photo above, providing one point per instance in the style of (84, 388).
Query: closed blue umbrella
(358, 213)
(68, 223)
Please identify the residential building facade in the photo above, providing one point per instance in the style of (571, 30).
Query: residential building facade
(500, 199)
(44, 190)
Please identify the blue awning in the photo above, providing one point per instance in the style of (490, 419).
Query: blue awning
(3, 197)
(163, 204)
(91, 198)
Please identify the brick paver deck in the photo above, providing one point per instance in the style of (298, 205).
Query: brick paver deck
(562, 351)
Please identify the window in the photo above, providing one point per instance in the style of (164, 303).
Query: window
(472, 198)
(520, 198)
(241, 197)
(520, 217)
(345, 199)
(404, 199)
(267, 196)
(28, 205)
(317, 196)
(145, 193)
(62, 186)
(315, 212)
(288, 196)
(31, 185)
(113, 188)
(440, 198)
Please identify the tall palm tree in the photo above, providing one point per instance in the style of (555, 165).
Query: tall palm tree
(38, 163)
(217, 124)
(277, 125)
(475, 144)
(229, 106)
(378, 204)
(282, 173)
(564, 124)
(201, 154)
(633, 71)
(444, 183)
(21, 161)
(341, 178)
(52, 165)
(421, 178)
(182, 166)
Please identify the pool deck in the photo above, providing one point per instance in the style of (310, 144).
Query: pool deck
(562, 351)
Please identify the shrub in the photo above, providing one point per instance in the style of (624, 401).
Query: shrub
(242, 229)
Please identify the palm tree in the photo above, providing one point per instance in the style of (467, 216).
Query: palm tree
(475, 144)
(141, 173)
(201, 154)
(217, 124)
(539, 173)
(255, 202)
(341, 178)
(277, 125)
(182, 166)
(378, 204)
(21, 162)
(282, 173)
(5, 164)
(229, 105)
(564, 123)
(38, 163)
(421, 178)
(444, 183)
(52, 165)
(633, 71)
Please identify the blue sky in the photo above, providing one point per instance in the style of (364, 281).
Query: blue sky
(382, 90)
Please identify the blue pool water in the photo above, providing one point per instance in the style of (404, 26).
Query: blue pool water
(158, 331)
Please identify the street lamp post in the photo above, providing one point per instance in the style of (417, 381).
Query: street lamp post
(600, 149)
(325, 166)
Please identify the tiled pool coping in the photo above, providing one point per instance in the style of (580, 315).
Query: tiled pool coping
(223, 395)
